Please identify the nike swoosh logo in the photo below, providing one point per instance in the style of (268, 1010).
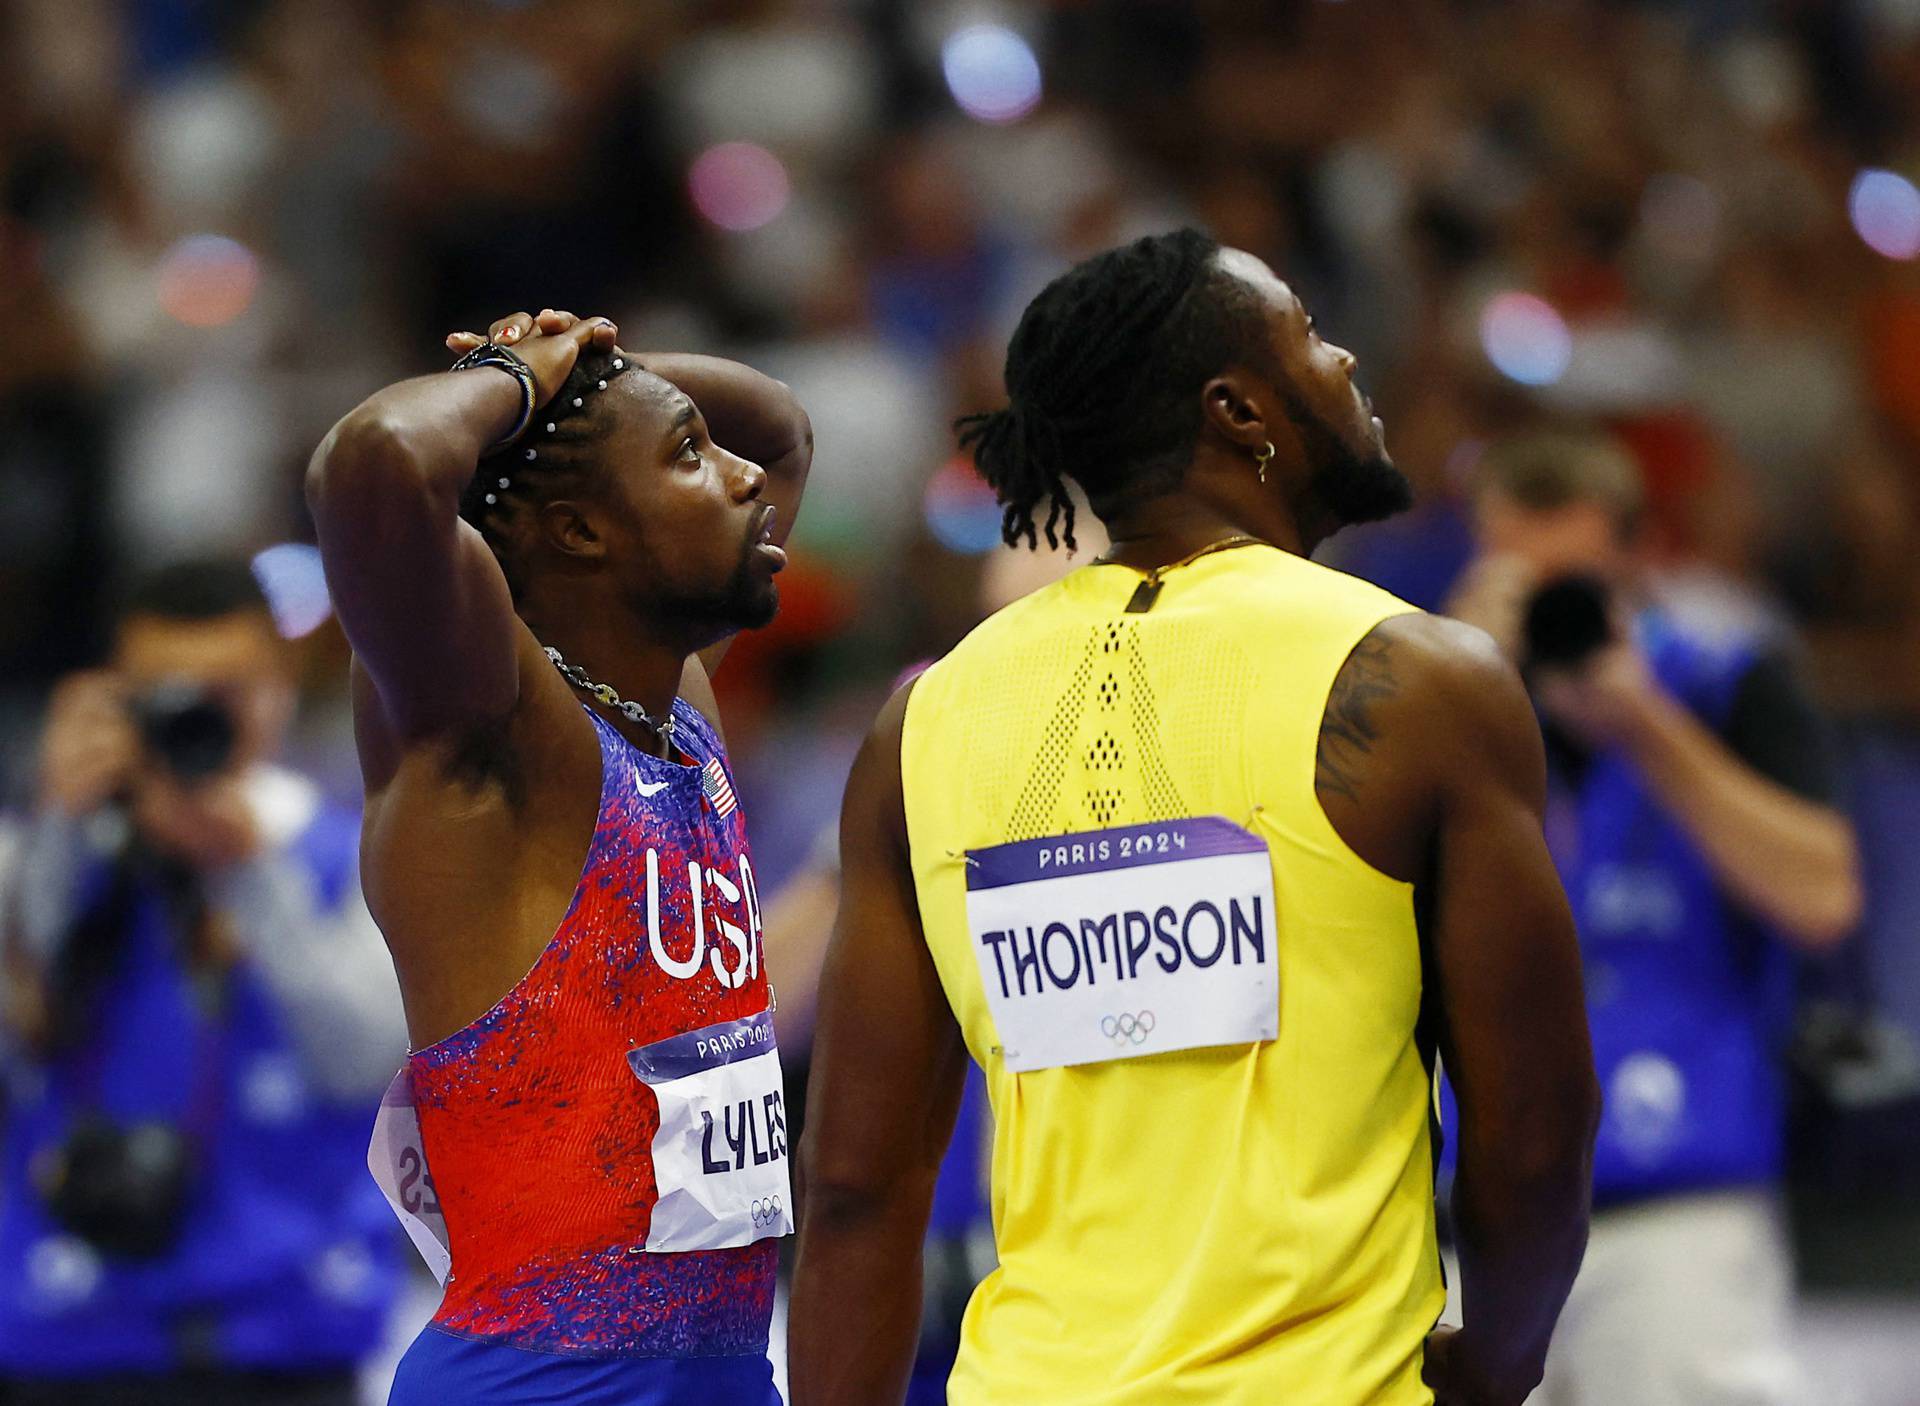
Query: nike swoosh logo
(652, 790)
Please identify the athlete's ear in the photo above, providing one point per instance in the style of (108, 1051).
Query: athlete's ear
(565, 527)
(1234, 406)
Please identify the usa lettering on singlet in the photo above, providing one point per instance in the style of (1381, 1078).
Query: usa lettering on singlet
(686, 932)
(1138, 940)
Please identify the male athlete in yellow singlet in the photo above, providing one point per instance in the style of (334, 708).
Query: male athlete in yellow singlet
(1202, 854)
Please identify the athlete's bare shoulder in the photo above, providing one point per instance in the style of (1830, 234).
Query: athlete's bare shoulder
(474, 838)
(1423, 705)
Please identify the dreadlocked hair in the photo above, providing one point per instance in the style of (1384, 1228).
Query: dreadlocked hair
(557, 456)
(1103, 375)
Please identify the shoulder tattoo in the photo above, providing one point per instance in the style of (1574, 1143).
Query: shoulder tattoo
(1349, 729)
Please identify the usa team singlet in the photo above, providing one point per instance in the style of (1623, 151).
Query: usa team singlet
(597, 1167)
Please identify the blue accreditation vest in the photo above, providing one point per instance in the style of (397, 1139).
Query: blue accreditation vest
(1689, 999)
(286, 1257)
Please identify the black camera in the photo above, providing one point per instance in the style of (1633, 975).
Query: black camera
(122, 1189)
(186, 729)
(1567, 622)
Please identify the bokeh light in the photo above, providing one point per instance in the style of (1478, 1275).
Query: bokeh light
(1885, 209)
(961, 510)
(207, 280)
(295, 585)
(1525, 338)
(992, 73)
(738, 185)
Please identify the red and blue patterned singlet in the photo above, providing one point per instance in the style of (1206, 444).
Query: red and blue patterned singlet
(607, 1146)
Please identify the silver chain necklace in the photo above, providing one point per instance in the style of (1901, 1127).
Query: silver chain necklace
(577, 676)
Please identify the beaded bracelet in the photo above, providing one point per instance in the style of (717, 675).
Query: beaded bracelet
(505, 359)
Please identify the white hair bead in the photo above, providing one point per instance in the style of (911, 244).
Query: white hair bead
(503, 483)
(551, 427)
(619, 365)
(578, 402)
(492, 499)
(602, 386)
(532, 454)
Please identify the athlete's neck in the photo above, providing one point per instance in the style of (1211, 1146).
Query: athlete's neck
(608, 646)
(1167, 529)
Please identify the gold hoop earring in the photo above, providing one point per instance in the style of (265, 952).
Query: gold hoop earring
(1262, 458)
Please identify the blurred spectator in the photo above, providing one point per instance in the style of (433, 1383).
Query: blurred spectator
(1691, 814)
(200, 1016)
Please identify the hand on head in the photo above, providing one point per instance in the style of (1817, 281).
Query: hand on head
(549, 343)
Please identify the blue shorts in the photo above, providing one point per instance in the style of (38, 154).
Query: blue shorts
(442, 1367)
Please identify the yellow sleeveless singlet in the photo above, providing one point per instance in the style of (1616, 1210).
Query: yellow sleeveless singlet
(1243, 1224)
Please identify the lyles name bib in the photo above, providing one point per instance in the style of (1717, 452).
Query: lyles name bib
(719, 1156)
(721, 1153)
(1138, 940)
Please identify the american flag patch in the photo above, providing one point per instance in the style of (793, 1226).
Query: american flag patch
(717, 789)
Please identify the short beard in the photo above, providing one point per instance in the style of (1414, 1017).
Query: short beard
(1356, 488)
(747, 602)
(1347, 487)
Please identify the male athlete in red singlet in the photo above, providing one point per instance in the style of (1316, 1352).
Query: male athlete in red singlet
(537, 557)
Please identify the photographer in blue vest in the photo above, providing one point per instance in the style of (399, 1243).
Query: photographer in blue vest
(1691, 816)
(199, 1019)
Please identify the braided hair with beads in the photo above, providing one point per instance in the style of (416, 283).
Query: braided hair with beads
(555, 457)
(1103, 378)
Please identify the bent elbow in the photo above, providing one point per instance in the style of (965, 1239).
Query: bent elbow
(1542, 1147)
(839, 1190)
(364, 455)
(1831, 917)
(1831, 908)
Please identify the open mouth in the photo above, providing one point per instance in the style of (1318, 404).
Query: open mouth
(762, 539)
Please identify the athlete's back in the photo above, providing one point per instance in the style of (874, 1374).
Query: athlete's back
(1192, 852)
(1202, 1184)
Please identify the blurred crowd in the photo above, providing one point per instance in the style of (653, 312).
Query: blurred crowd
(1689, 223)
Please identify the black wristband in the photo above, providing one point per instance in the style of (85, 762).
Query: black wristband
(507, 360)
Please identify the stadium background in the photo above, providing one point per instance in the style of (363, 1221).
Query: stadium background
(1694, 222)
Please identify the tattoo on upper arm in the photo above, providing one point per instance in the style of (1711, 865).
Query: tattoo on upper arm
(1348, 730)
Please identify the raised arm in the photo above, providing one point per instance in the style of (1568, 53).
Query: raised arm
(419, 594)
(888, 1068)
(1783, 850)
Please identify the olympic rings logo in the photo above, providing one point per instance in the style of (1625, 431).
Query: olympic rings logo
(1127, 1028)
(765, 1212)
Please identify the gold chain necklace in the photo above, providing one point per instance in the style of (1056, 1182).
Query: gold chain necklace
(1148, 591)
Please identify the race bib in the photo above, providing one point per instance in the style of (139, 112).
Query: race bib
(398, 1160)
(1132, 941)
(720, 1156)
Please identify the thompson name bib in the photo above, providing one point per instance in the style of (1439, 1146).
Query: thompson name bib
(720, 1155)
(1133, 941)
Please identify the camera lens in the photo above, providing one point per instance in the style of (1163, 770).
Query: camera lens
(188, 730)
(1566, 622)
